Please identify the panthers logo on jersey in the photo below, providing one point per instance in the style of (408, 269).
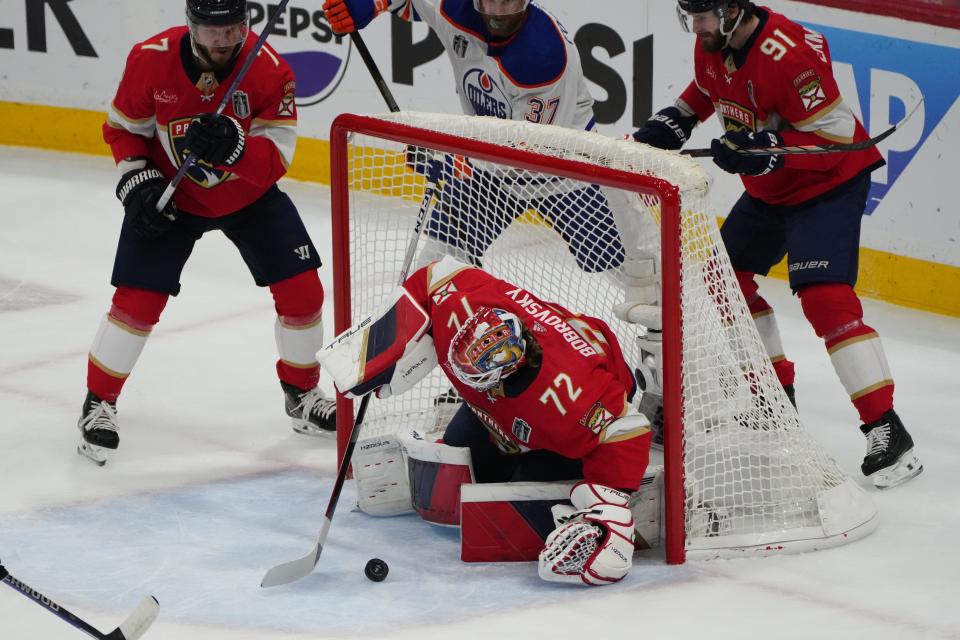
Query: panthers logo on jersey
(200, 172)
(736, 117)
(486, 96)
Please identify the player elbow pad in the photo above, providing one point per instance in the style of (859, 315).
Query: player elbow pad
(669, 128)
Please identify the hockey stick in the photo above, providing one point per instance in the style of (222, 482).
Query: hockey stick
(254, 52)
(811, 148)
(301, 567)
(132, 628)
(374, 71)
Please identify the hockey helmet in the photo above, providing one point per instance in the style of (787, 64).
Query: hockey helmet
(487, 348)
(217, 24)
(502, 18)
(697, 16)
(500, 7)
(217, 12)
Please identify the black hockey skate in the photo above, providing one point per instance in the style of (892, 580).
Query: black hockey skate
(311, 412)
(890, 458)
(98, 429)
(791, 394)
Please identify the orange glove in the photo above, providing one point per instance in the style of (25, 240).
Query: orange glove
(346, 16)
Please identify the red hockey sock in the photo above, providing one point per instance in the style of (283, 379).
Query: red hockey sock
(299, 329)
(854, 347)
(766, 322)
(120, 339)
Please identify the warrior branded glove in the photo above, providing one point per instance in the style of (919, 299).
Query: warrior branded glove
(345, 16)
(727, 155)
(139, 191)
(216, 139)
(668, 129)
(594, 544)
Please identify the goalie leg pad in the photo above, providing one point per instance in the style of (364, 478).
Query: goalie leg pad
(436, 473)
(380, 469)
(646, 507)
(508, 522)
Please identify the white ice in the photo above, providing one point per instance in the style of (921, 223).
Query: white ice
(210, 487)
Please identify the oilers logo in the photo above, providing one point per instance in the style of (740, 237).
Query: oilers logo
(485, 95)
(200, 172)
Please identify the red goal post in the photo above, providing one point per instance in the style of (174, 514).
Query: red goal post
(722, 405)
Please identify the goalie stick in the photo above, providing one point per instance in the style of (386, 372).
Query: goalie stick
(301, 567)
(833, 147)
(254, 52)
(132, 628)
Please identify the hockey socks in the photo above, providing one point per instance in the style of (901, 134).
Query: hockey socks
(855, 349)
(122, 334)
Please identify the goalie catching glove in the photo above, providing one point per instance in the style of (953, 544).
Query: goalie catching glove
(387, 354)
(594, 544)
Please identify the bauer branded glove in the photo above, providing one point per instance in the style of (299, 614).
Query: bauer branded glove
(216, 139)
(594, 544)
(345, 16)
(727, 154)
(139, 191)
(668, 129)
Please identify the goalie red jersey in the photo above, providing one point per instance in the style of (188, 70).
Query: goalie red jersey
(782, 80)
(162, 90)
(566, 402)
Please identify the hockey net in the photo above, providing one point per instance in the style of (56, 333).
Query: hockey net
(558, 212)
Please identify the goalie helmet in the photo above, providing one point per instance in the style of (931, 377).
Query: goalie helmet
(487, 348)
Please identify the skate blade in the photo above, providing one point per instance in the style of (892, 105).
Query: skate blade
(96, 455)
(908, 466)
(307, 428)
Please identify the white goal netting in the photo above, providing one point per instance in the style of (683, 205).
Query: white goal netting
(753, 478)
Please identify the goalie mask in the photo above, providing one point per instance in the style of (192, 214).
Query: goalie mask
(501, 17)
(218, 28)
(487, 348)
(708, 19)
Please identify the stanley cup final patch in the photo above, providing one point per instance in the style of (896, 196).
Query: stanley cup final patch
(241, 104)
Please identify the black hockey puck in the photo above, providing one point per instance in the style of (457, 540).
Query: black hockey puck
(376, 570)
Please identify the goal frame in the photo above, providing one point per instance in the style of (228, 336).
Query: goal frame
(669, 196)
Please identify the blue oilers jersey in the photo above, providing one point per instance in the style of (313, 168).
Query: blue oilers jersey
(533, 75)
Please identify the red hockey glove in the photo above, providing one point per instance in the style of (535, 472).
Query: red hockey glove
(727, 157)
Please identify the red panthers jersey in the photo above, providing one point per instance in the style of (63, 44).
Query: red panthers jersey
(162, 90)
(580, 387)
(782, 80)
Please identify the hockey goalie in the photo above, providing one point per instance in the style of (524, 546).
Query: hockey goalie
(546, 398)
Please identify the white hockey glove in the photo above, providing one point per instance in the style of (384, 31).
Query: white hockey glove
(593, 545)
(641, 292)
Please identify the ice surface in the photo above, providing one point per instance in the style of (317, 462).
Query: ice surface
(210, 486)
